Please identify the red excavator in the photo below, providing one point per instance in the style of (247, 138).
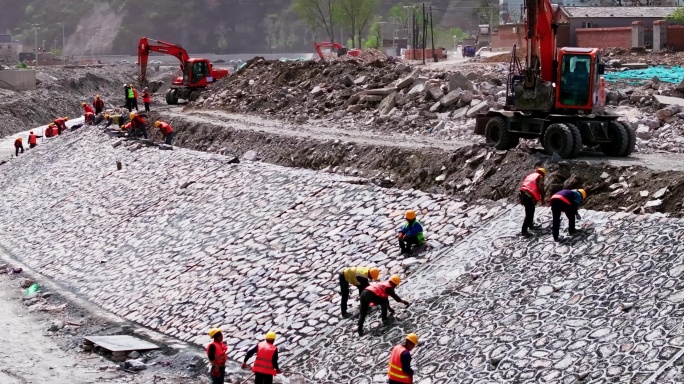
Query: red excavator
(195, 74)
(558, 97)
(336, 48)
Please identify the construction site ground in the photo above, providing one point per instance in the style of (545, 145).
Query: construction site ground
(255, 246)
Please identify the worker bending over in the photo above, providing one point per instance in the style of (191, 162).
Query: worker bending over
(117, 120)
(378, 293)
(399, 370)
(567, 201)
(51, 130)
(33, 140)
(357, 276)
(138, 125)
(166, 131)
(216, 353)
(266, 364)
(531, 192)
(98, 103)
(18, 146)
(60, 123)
(411, 233)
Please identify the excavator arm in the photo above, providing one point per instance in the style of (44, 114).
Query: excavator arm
(145, 46)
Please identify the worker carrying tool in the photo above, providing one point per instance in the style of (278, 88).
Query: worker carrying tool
(138, 125)
(166, 131)
(18, 146)
(266, 364)
(60, 123)
(146, 98)
(411, 233)
(531, 192)
(399, 370)
(567, 201)
(379, 293)
(33, 139)
(98, 103)
(216, 352)
(357, 276)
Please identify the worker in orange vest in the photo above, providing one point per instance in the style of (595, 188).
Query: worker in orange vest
(266, 364)
(135, 97)
(87, 108)
(33, 140)
(49, 131)
(531, 192)
(138, 125)
(399, 370)
(60, 123)
(146, 98)
(379, 293)
(566, 201)
(98, 103)
(18, 146)
(216, 353)
(166, 130)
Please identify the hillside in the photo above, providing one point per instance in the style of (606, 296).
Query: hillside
(220, 26)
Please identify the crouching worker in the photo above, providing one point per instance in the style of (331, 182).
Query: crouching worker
(566, 201)
(411, 233)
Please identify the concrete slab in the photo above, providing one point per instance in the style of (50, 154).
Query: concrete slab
(119, 343)
(669, 100)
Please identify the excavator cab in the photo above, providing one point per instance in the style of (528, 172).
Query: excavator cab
(195, 71)
(579, 79)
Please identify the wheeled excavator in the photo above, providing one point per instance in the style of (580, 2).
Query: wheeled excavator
(195, 73)
(559, 97)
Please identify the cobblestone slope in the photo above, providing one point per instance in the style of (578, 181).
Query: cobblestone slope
(534, 311)
(249, 247)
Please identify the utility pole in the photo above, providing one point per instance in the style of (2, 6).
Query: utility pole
(35, 40)
(424, 33)
(432, 37)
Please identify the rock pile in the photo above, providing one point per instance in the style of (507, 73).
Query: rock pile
(382, 95)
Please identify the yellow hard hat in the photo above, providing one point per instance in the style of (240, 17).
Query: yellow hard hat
(270, 336)
(412, 337)
(19, 138)
(82, 103)
(66, 118)
(214, 331)
(51, 125)
(132, 115)
(97, 96)
(157, 123)
(106, 116)
(410, 215)
(395, 279)
(541, 170)
(583, 193)
(374, 273)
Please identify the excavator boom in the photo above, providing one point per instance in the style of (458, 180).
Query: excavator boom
(145, 46)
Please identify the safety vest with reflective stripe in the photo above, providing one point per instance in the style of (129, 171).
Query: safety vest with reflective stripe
(351, 274)
(395, 371)
(380, 289)
(220, 357)
(264, 358)
(530, 185)
(420, 236)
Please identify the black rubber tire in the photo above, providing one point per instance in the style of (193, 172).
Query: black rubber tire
(631, 139)
(174, 97)
(194, 95)
(576, 140)
(559, 139)
(498, 136)
(619, 140)
(168, 97)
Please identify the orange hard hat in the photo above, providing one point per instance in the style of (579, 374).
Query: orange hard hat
(410, 215)
(396, 280)
(374, 273)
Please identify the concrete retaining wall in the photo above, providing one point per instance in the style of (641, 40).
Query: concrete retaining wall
(18, 79)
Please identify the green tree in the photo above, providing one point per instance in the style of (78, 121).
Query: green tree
(375, 37)
(356, 15)
(677, 16)
(318, 14)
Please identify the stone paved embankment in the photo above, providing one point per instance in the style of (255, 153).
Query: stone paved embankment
(248, 247)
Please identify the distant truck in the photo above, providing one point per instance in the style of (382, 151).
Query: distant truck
(469, 51)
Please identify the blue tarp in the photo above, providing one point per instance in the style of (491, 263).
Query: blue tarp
(638, 76)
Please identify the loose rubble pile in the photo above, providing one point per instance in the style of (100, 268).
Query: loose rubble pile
(251, 247)
(383, 96)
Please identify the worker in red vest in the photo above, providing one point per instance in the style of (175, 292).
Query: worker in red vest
(146, 98)
(531, 191)
(216, 353)
(166, 131)
(98, 103)
(135, 97)
(51, 130)
(18, 146)
(33, 140)
(379, 293)
(138, 125)
(87, 108)
(566, 201)
(60, 123)
(399, 369)
(266, 364)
